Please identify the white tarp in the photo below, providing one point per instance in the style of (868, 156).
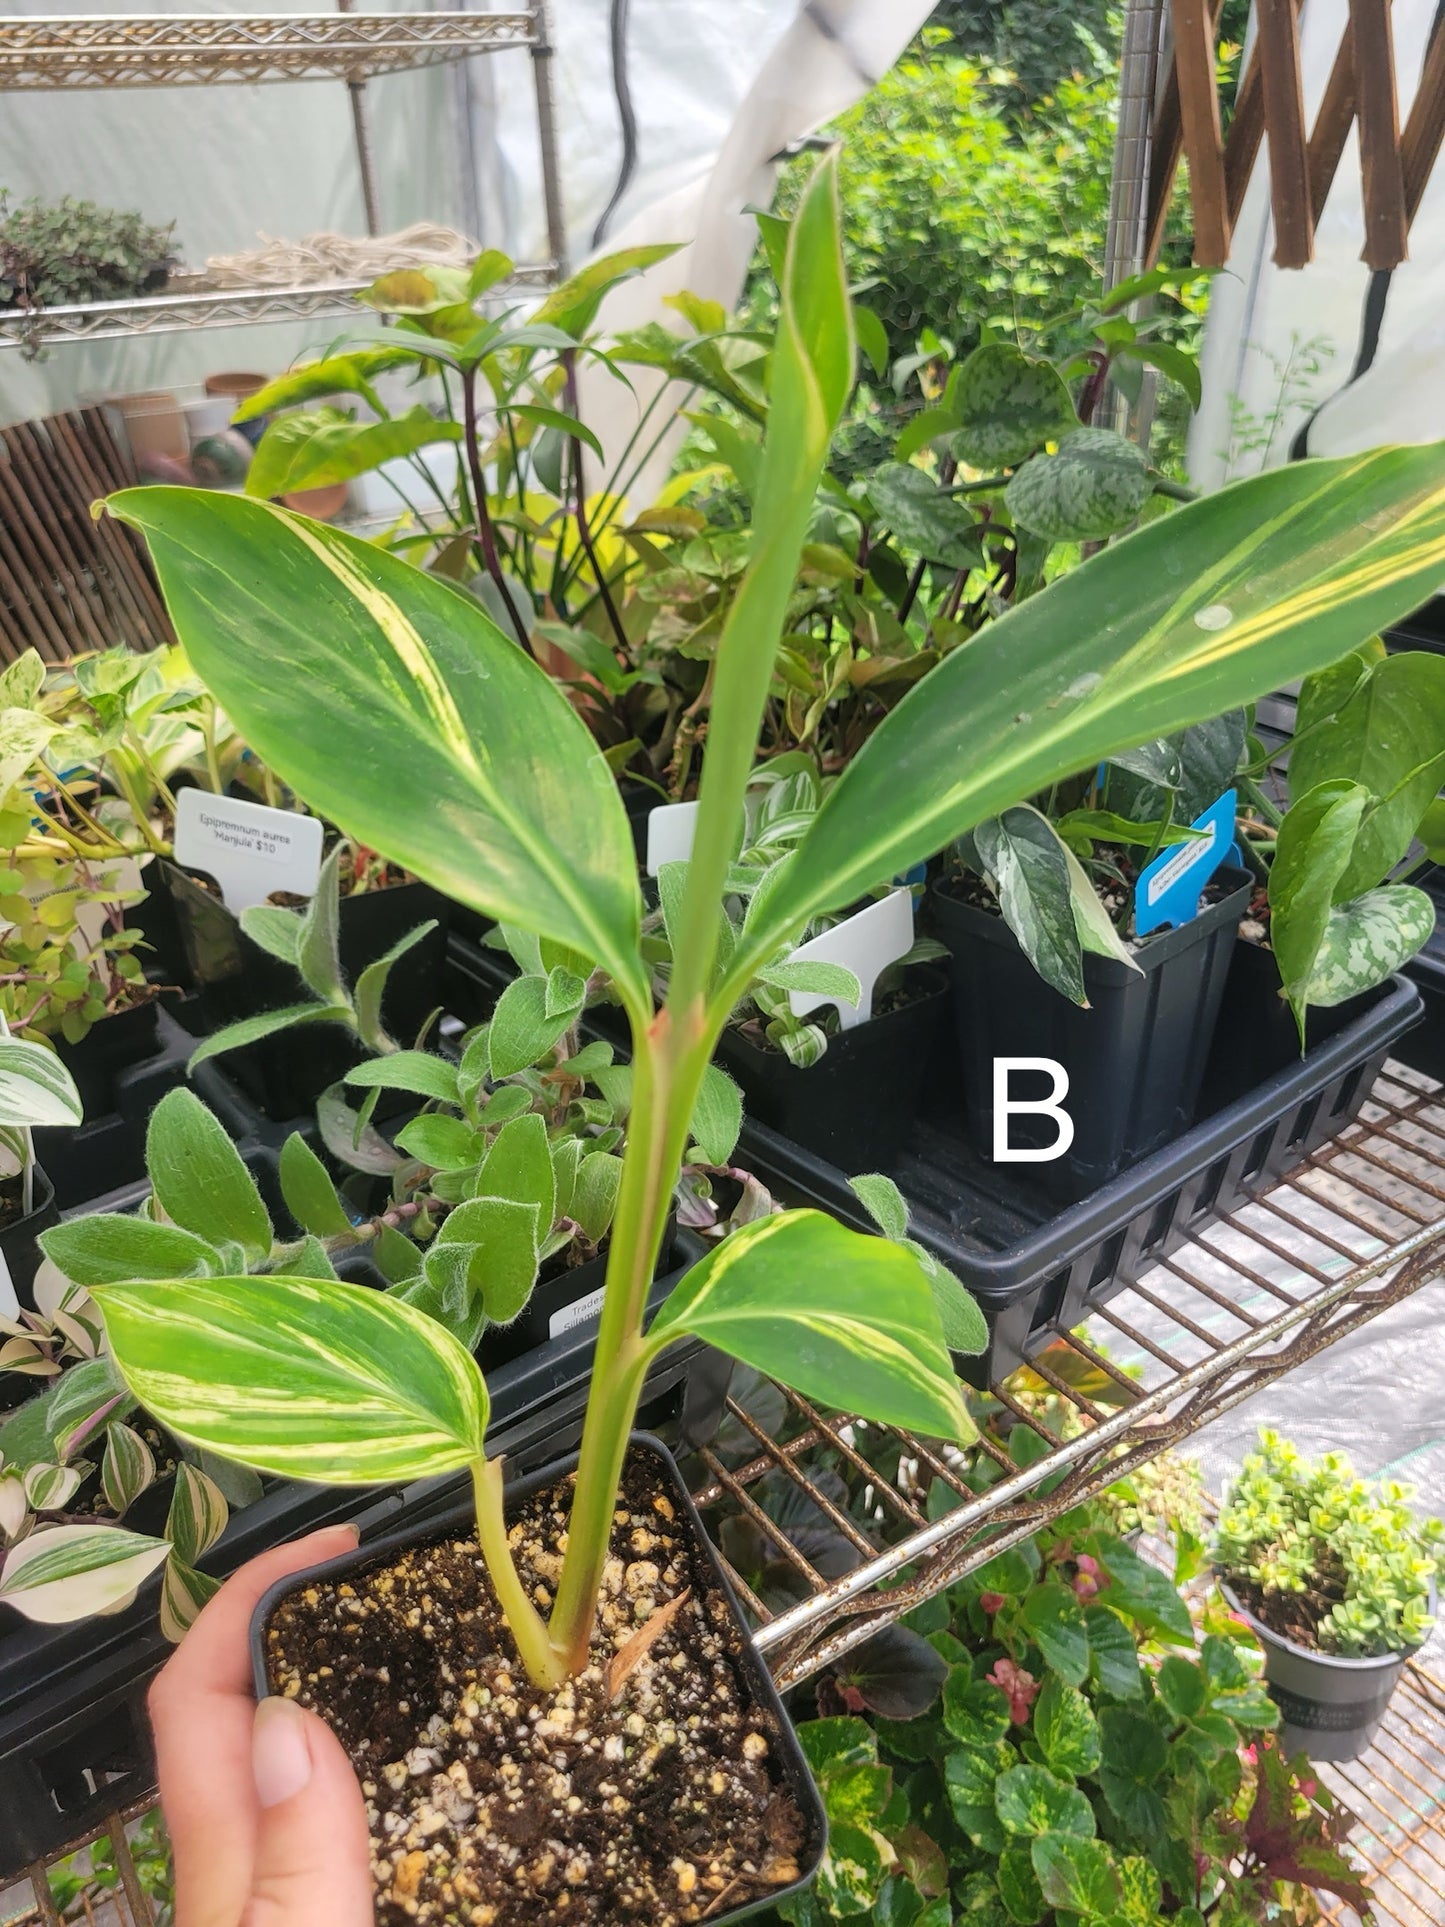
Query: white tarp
(1281, 344)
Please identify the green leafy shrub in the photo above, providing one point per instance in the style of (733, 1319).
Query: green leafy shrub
(1081, 1762)
(70, 251)
(954, 215)
(1323, 1557)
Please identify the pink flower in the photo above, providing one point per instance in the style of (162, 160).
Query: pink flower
(1021, 1688)
(992, 1602)
(1088, 1581)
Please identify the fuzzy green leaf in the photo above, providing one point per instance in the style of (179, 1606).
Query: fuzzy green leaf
(371, 987)
(309, 1194)
(110, 1247)
(199, 1179)
(717, 1117)
(266, 1023)
(417, 1071)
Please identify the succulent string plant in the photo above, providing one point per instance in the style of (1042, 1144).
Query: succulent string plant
(390, 701)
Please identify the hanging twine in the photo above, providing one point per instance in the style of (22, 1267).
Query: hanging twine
(329, 257)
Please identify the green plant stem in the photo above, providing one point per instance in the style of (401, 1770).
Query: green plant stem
(544, 1665)
(486, 535)
(667, 1073)
(579, 508)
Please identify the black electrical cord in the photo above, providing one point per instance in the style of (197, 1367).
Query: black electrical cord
(627, 119)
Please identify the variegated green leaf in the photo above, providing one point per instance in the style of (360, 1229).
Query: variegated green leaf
(183, 1593)
(50, 1488)
(1007, 406)
(1367, 940)
(1094, 485)
(300, 1377)
(198, 1513)
(1198, 612)
(128, 1467)
(14, 1506)
(844, 1318)
(63, 1573)
(35, 1087)
(108, 1247)
(357, 663)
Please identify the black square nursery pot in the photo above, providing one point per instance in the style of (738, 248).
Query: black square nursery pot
(856, 1105)
(285, 1074)
(1135, 1058)
(420, 1667)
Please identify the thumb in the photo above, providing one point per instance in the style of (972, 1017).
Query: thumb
(313, 1855)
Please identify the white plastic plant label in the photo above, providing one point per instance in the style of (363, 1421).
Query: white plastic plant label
(9, 1302)
(865, 944)
(580, 1312)
(670, 830)
(250, 849)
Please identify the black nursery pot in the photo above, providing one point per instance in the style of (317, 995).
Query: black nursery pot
(757, 1681)
(19, 1252)
(1330, 1706)
(856, 1105)
(1135, 1058)
(285, 1074)
(109, 1047)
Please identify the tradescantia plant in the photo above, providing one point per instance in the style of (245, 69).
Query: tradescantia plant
(391, 702)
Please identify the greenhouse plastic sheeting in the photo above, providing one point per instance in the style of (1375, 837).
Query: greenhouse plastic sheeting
(1282, 346)
(453, 144)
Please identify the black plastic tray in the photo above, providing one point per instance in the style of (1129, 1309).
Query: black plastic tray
(74, 1739)
(108, 1151)
(1032, 1269)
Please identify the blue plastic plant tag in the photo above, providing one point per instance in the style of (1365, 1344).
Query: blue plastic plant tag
(1169, 890)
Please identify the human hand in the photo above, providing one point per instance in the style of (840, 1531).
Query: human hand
(265, 1815)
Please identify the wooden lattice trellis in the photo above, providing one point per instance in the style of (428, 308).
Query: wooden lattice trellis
(1395, 161)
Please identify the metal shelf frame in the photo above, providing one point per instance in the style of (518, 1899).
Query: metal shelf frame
(202, 50)
(167, 314)
(80, 52)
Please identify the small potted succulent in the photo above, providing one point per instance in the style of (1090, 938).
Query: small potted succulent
(1336, 1578)
(398, 708)
(1038, 908)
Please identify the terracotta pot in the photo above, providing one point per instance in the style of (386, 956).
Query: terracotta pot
(154, 425)
(235, 386)
(321, 504)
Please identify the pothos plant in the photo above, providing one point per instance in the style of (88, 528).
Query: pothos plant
(392, 703)
(782, 798)
(1366, 765)
(1062, 866)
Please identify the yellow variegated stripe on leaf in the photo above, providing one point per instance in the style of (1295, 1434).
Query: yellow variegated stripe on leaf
(61, 1573)
(1195, 614)
(198, 1513)
(302, 1377)
(128, 1468)
(183, 1593)
(842, 1317)
(394, 705)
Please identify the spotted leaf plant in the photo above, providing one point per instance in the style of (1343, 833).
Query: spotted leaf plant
(393, 704)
